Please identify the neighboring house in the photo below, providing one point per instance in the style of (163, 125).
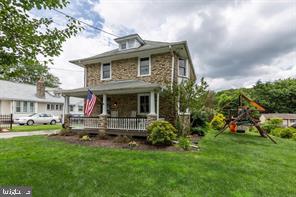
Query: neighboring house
(288, 119)
(24, 99)
(128, 82)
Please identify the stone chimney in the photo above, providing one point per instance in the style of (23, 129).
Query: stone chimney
(40, 88)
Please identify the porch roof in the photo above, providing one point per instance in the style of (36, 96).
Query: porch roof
(114, 87)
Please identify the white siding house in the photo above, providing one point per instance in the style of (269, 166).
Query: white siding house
(23, 99)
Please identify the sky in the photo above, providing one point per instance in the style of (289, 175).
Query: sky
(232, 43)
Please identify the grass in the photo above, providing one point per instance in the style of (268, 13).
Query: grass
(36, 127)
(229, 165)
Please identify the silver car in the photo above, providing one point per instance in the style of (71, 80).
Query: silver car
(37, 118)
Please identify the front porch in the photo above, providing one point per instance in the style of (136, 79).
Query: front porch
(122, 109)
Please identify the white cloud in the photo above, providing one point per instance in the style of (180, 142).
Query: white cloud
(233, 43)
(82, 46)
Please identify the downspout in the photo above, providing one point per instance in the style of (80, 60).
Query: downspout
(173, 66)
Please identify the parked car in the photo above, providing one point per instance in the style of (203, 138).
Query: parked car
(37, 118)
(294, 125)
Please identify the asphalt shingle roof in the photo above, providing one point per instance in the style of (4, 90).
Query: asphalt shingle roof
(25, 92)
(115, 85)
(147, 46)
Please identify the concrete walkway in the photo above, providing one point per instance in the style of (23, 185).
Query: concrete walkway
(22, 134)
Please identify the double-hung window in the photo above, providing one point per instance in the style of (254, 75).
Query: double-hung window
(143, 103)
(31, 110)
(144, 66)
(17, 106)
(24, 107)
(182, 67)
(106, 71)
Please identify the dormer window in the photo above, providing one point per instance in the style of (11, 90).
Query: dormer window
(129, 42)
(123, 45)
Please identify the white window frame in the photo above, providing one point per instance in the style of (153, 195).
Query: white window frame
(103, 79)
(139, 65)
(187, 68)
(139, 96)
(28, 107)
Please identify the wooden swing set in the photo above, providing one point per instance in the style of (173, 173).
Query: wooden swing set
(243, 116)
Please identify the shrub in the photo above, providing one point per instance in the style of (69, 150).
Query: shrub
(287, 132)
(201, 131)
(218, 121)
(132, 144)
(294, 137)
(85, 138)
(161, 133)
(253, 129)
(271, 124)
(81, 134)
(276, 132)
(121, 139)
(184, 143)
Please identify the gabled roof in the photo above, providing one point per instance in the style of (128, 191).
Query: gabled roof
(24, 92)
(131, 36)
(149, 45)
(284, 116)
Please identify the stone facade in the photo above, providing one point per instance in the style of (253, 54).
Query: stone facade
(102, 124)
(127, 69)
(67, 121)
(123, 104)
(151, 118)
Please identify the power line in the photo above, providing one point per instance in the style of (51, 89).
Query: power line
(94, 27)
(66, 69)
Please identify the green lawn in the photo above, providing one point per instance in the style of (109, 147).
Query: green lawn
(229, 165)
(36, 127)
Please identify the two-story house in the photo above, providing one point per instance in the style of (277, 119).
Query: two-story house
(128, 82)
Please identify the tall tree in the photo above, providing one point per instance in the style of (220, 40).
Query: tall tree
(24, 38)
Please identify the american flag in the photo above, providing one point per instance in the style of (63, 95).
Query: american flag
(89, 103)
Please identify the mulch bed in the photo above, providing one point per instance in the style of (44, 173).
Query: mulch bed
(118, 142)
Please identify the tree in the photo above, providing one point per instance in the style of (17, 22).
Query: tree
(181, 97)
(278, 96)
(30, 74)
(24, 38)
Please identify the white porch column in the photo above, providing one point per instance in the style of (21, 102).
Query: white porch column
(65, 108)
(66, 105)
(104, 112)
(152, 103)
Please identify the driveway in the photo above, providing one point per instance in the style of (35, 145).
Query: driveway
(22, 134)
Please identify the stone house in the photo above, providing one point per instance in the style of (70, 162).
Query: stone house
(129, 81)
(21, 99)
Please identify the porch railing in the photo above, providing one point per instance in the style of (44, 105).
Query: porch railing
(84, 122)
(127, 123)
